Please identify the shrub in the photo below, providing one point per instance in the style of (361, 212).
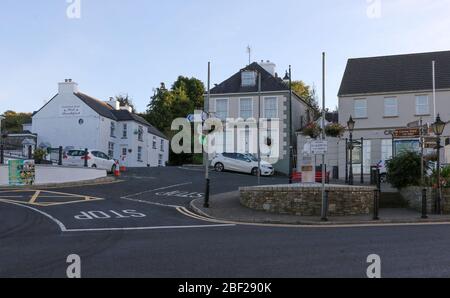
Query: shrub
(404, 170)
(335, 130)
(39, 155)
(312, 130)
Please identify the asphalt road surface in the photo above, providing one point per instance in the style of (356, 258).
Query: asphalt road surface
(141, 227)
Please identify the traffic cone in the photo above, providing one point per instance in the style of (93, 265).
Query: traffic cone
(117, 170)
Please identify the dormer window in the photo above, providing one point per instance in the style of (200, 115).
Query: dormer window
(248, 78)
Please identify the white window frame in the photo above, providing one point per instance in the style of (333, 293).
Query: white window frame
(162, 145)
(228, 108)
(418, 112)
(139, 153)
(251, 109)
(276, 105)
(386, 149)
(394, 107)
(154, 143)
(244, 83)
(112, 128)
(111, 149)
(140, 133)
(125, 131)
(355, 108)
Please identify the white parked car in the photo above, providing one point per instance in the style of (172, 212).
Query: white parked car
(95, 159)
(244, 163)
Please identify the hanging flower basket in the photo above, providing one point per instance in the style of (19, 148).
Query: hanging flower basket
(312, 130)
(335, 130)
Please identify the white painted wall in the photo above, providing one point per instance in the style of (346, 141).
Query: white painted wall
(52, 174)
(95, 131)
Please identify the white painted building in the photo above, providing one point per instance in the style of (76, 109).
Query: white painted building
(72, 119)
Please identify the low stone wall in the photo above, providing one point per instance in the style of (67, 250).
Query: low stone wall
(306, 199)
(413, 195)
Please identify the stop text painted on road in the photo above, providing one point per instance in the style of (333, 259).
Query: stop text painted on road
(111, 214)
(181, 194)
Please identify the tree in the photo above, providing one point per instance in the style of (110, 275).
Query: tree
(185, 95)
(306, 92)
(13, 121)
(125, 100)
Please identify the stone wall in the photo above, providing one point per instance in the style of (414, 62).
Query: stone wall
(413, 195)
(306, 199)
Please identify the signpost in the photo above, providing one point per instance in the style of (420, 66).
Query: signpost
(319, 147)
(21, 172)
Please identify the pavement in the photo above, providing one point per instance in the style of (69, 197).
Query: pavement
(141, 226)
(227, 207)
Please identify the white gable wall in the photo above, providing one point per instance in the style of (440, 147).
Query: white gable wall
(55, 125)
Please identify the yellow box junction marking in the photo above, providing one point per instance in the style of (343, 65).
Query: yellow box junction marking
(43, 198)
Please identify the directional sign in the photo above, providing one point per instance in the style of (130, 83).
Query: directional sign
(319, 147)
(407, 133)
(197, 117)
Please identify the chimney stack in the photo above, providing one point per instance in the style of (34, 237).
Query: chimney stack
(68, 87)
(268, 66)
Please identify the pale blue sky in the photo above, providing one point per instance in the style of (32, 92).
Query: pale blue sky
(131, 46)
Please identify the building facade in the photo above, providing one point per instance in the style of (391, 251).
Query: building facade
(240, 97)
(72, 119)
(383, 94)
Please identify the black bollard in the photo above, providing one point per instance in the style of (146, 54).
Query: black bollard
(424, 204)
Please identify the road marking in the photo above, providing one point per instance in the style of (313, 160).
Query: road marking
(162, 188)
(34, 197)
(64, 229)
(151, 228)
(59, 223)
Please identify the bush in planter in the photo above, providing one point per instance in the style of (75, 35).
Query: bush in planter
(312, 130)
(404, 170)
(335, 130)
(39, 155)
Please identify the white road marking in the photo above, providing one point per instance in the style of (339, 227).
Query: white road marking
(151, 228)
(152, 190)
(59, 223)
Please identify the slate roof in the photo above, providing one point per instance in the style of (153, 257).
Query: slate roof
(105, 110)
(234, 85)
(399, 73)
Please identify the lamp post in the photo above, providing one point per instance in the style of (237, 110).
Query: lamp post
(1, 140)
(288, 80)
(351, 127)
(438, 129)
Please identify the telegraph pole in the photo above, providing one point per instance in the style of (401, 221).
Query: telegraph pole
(205, 152)
(324, 196)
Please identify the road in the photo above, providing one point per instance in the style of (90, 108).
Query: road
(141, 227)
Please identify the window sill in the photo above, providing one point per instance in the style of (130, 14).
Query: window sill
(422, 115)
(390, 117)
(361, 118)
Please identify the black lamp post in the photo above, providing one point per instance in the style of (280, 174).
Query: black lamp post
(438, 129)
(351, 127)
(288, 80)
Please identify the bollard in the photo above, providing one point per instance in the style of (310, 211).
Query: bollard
(30, 152)
(86, 158)
(60, 156)
(325, 206)
(206, 203)
(424, 204)
(376, 205)
(2, 159)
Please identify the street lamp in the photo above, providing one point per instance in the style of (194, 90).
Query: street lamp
(288, 80)
(438, 129)
(351, 127)
(1, 140)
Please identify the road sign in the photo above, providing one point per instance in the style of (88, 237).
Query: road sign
(197, 117)
(319, 147)
(407, 133)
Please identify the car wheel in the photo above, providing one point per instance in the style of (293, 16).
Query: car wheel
(94, 166)
(219, 167)
(255, 171)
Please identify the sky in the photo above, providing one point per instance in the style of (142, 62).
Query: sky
(112, 47)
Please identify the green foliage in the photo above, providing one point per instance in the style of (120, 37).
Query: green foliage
(335, 130)
(306, 92)
(13, 121)
(183, 98)
(39, 154)
(404, 170)
(312, 130)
